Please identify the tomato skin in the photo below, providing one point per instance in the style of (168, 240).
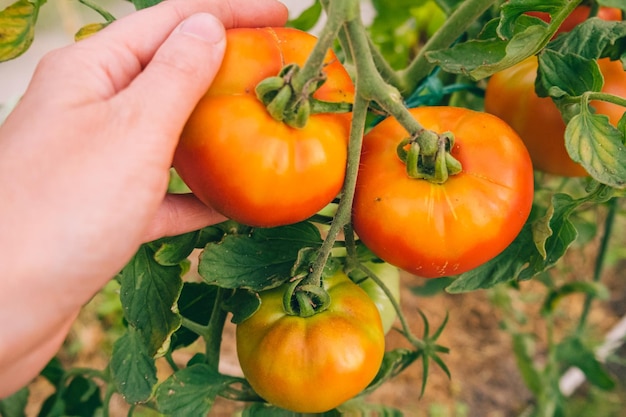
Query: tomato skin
(511, 96)
(433, 230)
(313, 364)
(253, 169)
(579, 15)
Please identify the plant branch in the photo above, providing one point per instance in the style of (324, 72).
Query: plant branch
(344, 210)
(457, 23)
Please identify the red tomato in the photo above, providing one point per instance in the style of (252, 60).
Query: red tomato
(579, 15)
(435, 230)
(511, 96)
(258, 171)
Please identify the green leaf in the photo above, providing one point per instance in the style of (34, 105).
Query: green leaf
(308, 18)
(174, 250)
(132, 368)
(148, 294)
(571, 351)
(481, 58)
(512, 10)
(552, 235)
(81, 398)
(258, 261)
(15, 405)
(394, 362)
(592, 39)
(17, 28)
(53, 371)
(196, 303)
(432, 287)
(243, 304)
(598, 146)
(143, 4)
(567, 74)
(191, 391)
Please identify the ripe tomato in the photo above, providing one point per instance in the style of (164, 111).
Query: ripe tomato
(258, 171)
(435, 230)
(579, 15)
(511, 96)
(312, 364)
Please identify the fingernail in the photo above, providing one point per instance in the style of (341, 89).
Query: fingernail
(204, 26)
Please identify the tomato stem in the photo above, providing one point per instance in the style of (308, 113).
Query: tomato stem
(344, 209)
(456, 24)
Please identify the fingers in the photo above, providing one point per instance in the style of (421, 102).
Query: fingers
(176, 77)
(105, 63)
(181, 213)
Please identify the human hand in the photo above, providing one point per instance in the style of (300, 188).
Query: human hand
(85, 158)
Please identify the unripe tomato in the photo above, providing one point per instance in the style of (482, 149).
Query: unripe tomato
(312, 364)
(253, 169)
(511, 96)
(390, 276)
(435, 230)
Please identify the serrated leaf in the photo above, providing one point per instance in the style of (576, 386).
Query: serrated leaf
(148, 293)
(15, 405)
(567, 74)
(598, 146)
(132, 368)
(191, 391)
(258, 261)
(17, 28)
(592, 39)
(573, 352)
(308, 18)
(196, 303)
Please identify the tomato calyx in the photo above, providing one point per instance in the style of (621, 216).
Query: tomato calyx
(427, 156)
(304, 299)
(292, 104)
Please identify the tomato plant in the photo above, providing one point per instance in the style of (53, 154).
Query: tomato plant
(312, 364)
(358, 152)
(434, 230)
(510, 95)
(250, 167)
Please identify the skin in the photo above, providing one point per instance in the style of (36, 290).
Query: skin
(84, 163)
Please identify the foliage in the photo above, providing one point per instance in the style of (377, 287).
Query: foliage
(414, 53)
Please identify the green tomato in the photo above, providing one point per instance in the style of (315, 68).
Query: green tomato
(390, 276)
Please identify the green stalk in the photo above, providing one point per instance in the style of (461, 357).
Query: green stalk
(344, 209)
(96, 8)
(338, 13)
(456, 24)
(602, 252)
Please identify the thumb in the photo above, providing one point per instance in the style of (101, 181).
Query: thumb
(179, 73)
